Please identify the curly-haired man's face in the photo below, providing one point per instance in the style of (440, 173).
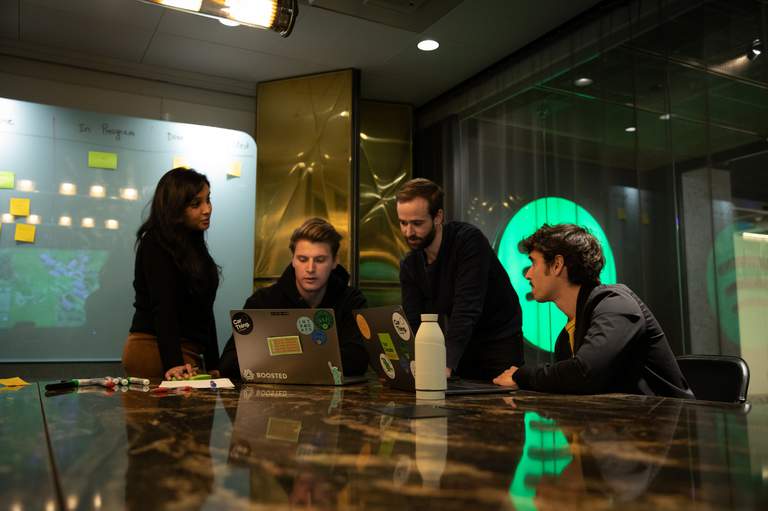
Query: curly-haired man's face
(545, 283)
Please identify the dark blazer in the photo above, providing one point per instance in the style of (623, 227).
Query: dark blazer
(467, 285)
(166, 306)
(619, 347)
(339, 296)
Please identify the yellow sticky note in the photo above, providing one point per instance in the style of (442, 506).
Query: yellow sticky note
(20, 207)
(235, 168)
(12, 382)
(99, 160)
(180, 161)
(7, 179)
(25, 233)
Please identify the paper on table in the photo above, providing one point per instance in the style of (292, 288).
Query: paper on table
(221, 383)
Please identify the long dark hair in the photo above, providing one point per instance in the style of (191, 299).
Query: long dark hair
(165, 224)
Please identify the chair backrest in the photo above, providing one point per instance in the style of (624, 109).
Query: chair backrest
(716, 377)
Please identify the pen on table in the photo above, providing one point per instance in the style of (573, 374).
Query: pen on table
(138, 381)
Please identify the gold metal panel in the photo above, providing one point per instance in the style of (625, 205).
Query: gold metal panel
(304, 140)
(385, 164)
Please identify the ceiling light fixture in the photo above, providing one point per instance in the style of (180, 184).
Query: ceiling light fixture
(630, 129)
(277, 15)
(428, 45)
(582, 82)
(755, 49)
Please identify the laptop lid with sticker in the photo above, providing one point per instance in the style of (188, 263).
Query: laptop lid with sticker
(389, 341)
(287, 346)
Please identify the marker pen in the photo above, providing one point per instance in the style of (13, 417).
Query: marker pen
(81, 382)
(138, 381)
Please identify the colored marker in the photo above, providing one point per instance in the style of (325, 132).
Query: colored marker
(138, 381)
(201, 377)
(213, 384)
(81, 382)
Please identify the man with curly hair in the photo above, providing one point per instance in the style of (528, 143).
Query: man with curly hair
(611, 342)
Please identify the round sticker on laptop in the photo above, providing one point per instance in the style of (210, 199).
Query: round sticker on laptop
(305, 325)
(362, 324)
(387, 366)
(319, 337)
(323, 320)
(401, 326)
(242, 323)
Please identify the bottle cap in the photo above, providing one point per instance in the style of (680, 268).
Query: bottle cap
(429, 317)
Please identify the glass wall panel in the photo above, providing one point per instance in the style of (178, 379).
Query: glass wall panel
(649, 122)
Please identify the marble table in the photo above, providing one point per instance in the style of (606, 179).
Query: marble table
(291, 447)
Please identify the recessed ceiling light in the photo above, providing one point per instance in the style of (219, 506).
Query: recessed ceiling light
(630, 129)
(665, 117)
(582, 82)
(428, 45)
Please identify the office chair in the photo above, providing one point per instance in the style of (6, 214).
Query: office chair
(716, 377)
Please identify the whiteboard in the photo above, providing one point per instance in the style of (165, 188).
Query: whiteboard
(68, 295)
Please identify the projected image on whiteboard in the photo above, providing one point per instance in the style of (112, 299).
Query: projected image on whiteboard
(47, 287)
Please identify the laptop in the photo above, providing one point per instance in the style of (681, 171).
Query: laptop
(297, 346)
(389, 340)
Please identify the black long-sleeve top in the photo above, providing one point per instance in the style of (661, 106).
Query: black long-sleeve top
(339, 296)
(167, 307)
(618, 347)
(466, 285)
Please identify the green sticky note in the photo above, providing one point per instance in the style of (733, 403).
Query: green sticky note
(388, 346)
(7, 179)
(99, 160)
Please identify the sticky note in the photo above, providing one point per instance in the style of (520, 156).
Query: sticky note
(235, 168)
(180, 161)
(99, 160)
(25, 233)
(19, 207)
(7, 179)
(12, 382)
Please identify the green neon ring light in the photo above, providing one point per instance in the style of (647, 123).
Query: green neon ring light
(542, 322)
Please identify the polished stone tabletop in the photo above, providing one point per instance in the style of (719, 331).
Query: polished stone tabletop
(297, 447)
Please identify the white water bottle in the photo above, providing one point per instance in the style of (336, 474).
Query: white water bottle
(430, 359)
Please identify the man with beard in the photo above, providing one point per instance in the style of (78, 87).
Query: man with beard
(452, 271)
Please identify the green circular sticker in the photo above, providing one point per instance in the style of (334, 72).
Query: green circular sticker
(542, 322)
(323, 320)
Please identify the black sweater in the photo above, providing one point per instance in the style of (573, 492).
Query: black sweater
(167, 307)
(338, 296)
(466, 285)
(619, 347)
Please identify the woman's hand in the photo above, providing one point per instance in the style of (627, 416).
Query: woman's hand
(180, 372)
(505, 378)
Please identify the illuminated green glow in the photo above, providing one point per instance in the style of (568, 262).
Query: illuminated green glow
(542, 322)
(546, 452)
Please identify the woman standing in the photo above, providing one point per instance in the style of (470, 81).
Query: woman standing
(173, 330)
